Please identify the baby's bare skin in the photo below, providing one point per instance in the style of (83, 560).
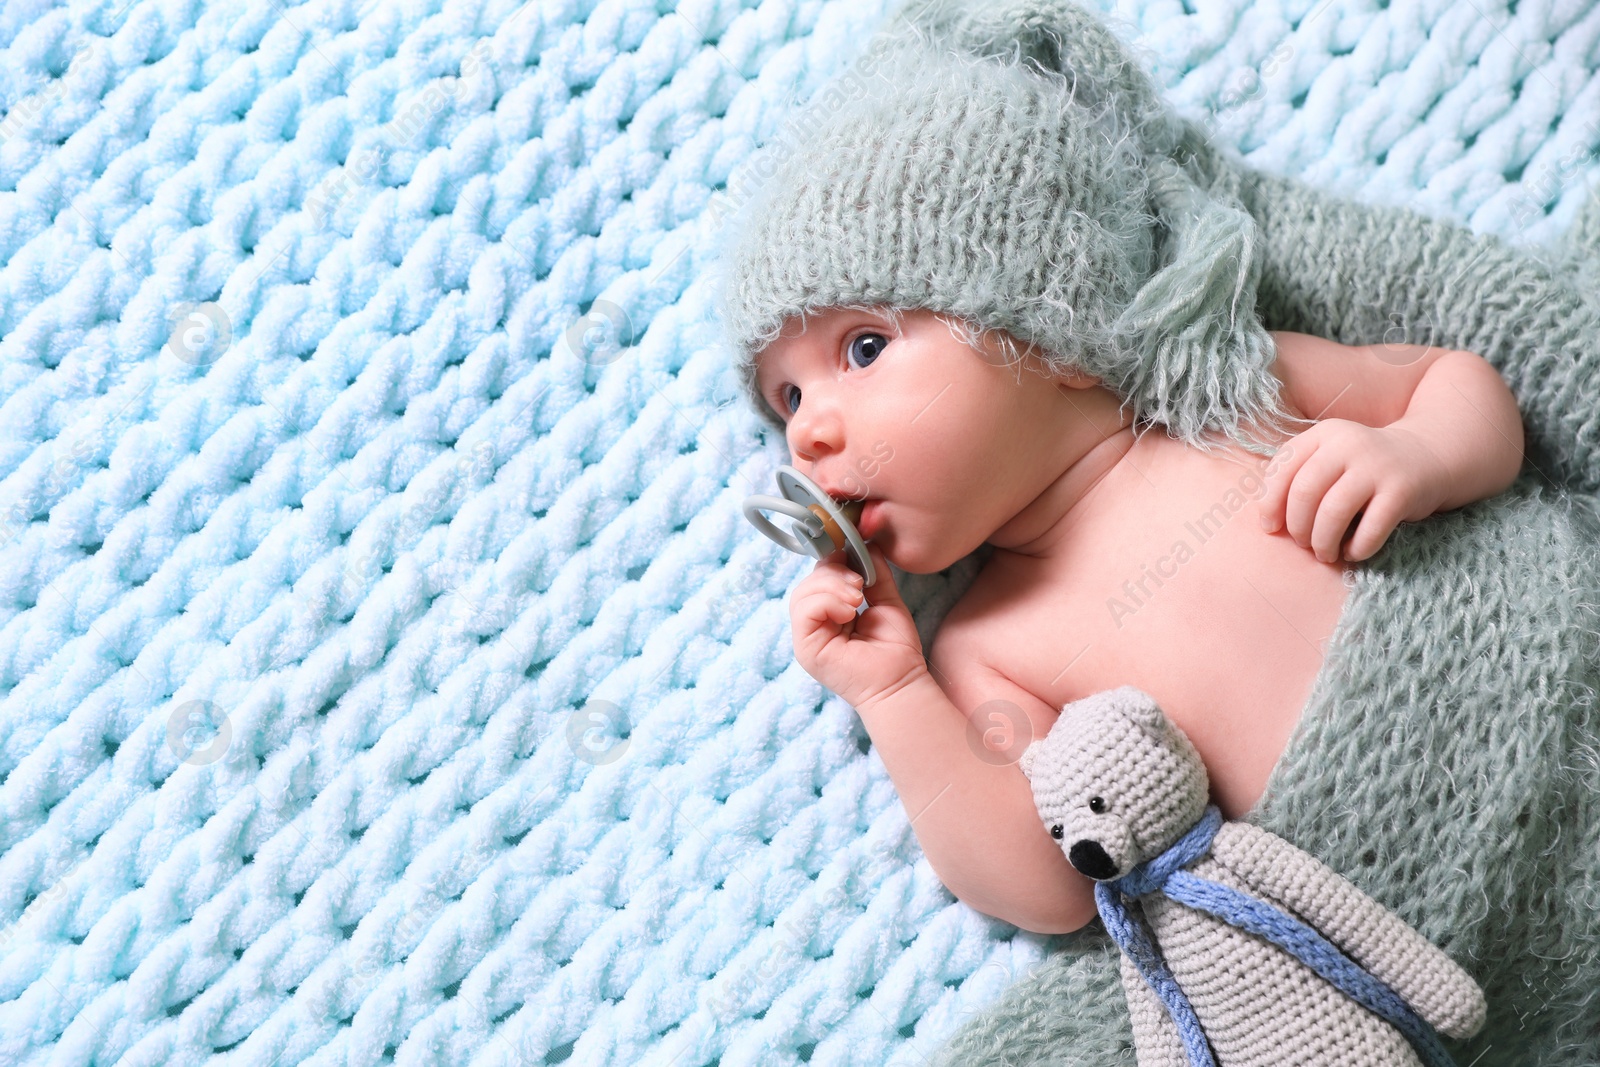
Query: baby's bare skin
(963, 450)
(1165, 581)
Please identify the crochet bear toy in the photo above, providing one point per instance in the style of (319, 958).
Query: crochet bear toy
(1238, 948)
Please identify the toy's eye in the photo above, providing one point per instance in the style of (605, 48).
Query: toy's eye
(1055, 831)
(867, 347)
(1097, 805)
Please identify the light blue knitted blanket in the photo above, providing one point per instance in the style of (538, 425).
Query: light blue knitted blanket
(386, 669)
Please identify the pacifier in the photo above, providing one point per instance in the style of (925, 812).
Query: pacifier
(822, 525)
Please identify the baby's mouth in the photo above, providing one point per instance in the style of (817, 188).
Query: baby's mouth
(851, 509)
(866, 515)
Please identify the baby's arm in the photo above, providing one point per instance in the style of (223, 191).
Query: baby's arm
(970, 806)
(973, 814)
(1403, 432)
(1358, 272)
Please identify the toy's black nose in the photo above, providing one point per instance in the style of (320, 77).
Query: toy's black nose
(1091, 860)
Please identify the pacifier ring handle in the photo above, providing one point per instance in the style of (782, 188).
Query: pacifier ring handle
(755, 505)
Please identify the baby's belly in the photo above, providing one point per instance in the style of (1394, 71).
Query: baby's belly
(1226, 626)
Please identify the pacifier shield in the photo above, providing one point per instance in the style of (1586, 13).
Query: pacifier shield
(823, 524)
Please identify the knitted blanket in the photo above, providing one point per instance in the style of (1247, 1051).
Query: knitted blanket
(386, 669)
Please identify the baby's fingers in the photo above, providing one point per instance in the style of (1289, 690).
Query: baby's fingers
(834, 566)
(1379, 519)
(1283, 467)
(1339, 506)
(1307, 497)
(883, 591)
(824, 598)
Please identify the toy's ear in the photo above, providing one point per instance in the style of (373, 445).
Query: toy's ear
(1142, 708)
(1025, 761)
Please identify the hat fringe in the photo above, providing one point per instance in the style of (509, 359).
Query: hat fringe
(1202, 356)
(1199, 358)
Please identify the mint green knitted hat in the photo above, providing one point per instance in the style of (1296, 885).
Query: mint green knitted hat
(1013, 167)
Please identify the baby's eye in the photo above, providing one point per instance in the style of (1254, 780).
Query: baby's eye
(868, 347)
(783, 395)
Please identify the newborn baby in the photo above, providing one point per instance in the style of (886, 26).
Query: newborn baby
(966, 299)
(1108, 544)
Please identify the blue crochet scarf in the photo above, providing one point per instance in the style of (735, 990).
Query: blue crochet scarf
(1165, 873)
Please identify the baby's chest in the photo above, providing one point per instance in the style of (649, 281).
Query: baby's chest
(1224, 625)
(1234, 642)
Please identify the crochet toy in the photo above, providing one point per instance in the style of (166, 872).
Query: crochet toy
(1255, 952)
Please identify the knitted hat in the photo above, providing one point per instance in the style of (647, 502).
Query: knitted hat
(1014, 168)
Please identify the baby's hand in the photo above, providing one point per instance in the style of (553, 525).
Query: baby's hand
(861, 658)
(1321, 478)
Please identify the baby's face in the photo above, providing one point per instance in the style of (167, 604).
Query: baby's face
(947, 438)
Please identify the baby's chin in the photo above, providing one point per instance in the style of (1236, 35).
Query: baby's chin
(916, 558)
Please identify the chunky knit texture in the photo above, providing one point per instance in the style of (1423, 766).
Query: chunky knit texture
(519, 768)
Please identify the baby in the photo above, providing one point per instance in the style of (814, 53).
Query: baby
(966, 303)
(1107, 544)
